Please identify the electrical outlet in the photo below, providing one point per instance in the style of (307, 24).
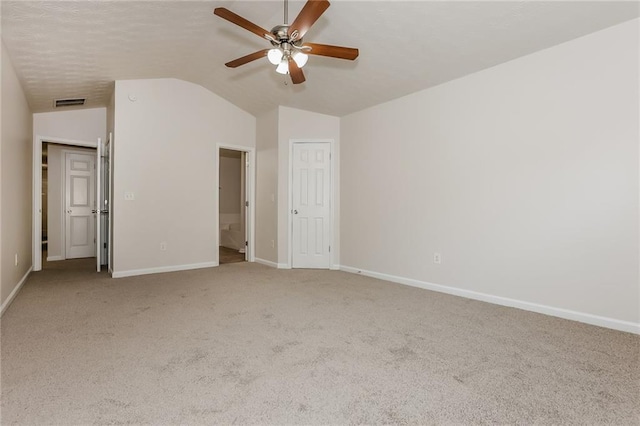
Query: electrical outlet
(437, 258)
(163, 246)
(16, 260)
(273, 244)
(129, 196)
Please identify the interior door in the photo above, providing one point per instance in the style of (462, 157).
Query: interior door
(79, 203)
(311, 206)
(98, 206)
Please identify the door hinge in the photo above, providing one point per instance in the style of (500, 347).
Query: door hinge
(329, 249)
(246, 204)
(246, 243)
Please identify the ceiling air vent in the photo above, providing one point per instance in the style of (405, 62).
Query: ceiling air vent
(68, 102)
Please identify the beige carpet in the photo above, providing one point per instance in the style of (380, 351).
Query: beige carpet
(247, 344)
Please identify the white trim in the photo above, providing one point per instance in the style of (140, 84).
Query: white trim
(162, 269)
(612, 323)
(251, 196)
(97, 171)
(54, 258)
(110, 207)
(36, 213)
(333, 242)
(284, 266)
(15, 291)
(266, 262)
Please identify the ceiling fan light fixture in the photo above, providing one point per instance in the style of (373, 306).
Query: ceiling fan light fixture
(283, 68)
(300, 58)
(286, 40)
(275, 56)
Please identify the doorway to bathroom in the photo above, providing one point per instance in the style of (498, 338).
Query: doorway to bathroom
(233, 205)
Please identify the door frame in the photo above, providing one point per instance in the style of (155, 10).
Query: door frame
(109, 184)
(36, 211)
(250, 212)
(332, 200)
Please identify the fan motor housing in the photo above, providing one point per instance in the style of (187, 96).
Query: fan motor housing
(281, 34)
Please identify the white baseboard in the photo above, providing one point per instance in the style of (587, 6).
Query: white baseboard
(284, 266)
(162, 269)
(15, 291)
(612, 323)
(265, 262)
(54, 258)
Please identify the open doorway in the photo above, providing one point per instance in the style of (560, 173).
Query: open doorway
(232, 204)
(68, 199)
(67, 222)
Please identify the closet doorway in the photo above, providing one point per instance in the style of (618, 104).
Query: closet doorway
(68, 198)
(234, 194)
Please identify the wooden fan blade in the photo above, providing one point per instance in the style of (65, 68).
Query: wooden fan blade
(246, 59)
(309, 14)
(331, 51)
(297, 76)
(240, 21)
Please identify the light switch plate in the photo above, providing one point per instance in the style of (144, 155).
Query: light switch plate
(129, 196)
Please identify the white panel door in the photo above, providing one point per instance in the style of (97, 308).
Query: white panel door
(79, 203)
(311, 206)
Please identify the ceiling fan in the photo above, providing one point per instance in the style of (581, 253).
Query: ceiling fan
(289, 53)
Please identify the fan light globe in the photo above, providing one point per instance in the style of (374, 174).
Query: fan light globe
(274, 56)
(300, 58)
(283, 68)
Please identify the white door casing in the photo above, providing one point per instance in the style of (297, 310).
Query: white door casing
(244, 167)
(311, 205)
(96, 211)
(79, 203)
(108, 199)
(36, 213)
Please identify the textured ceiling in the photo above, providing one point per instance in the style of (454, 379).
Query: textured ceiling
(67, 49)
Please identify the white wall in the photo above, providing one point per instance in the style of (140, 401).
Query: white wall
(296, 124)
(229, 185)
(110, 113)
(83, 125)
(15, 182)
(267, 187)
(523, 176)
(166, 132)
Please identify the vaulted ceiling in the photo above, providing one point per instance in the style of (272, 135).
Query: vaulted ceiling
(65, 49)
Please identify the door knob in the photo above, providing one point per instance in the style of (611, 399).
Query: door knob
(295, 212)
(69, 211)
